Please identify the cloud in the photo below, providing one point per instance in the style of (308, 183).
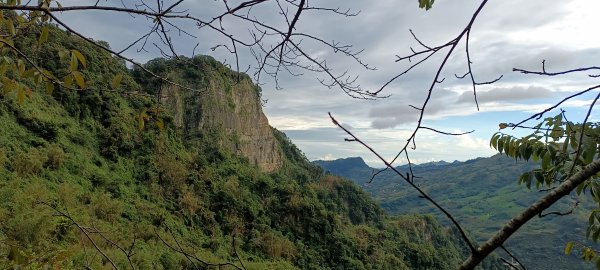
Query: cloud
(500, 94)
(508, 34)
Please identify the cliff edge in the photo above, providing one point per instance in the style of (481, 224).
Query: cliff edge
(227, 102)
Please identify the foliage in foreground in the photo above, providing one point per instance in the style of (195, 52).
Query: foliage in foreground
(563, 148)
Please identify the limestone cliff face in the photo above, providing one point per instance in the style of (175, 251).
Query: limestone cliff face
(229, 105)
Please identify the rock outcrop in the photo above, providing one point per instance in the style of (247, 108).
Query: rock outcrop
(229, 103)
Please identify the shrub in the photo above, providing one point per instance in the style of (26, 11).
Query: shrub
(172, 172)
(277, 246)
(3, 157)
(30, 163)
(55, 157)
(107, 208)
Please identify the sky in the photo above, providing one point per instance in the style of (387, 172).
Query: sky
(508, 34)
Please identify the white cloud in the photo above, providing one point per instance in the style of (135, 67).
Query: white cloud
(510, 33)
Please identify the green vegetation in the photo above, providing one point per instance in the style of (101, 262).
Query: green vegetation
(102, 179)
(482, 194)
(564, 149)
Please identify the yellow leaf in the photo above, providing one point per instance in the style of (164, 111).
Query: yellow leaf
(29, 73)
(68, 81)
(21, 95)
(160, 124)
(141, 122)
(49, 88)
(79, 57)
(568, 248)
(8, 85)
(21, 67)
(49, 74)
(11, 27)
(74, 62)
(62, 54)
(116, 81)
(79, 79)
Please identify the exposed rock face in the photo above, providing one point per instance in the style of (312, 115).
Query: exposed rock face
(228, 105)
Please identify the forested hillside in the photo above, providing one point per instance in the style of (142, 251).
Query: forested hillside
(107, 177)
(482, 194)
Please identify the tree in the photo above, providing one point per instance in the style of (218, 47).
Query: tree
(279, 48)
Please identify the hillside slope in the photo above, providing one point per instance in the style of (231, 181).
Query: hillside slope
(81, 186)
(482, 194)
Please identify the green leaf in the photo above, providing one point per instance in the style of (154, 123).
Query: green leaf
(527, 152)
(116, 81)
(568, 248)
(557, 133)
(80, 57)
(494, 141)
(580, 188)
(507, 145)
(546, 160)
(500, 145)
(589, 146)
(426, 4)
(43, 35)
(539, 176)
(74, 62)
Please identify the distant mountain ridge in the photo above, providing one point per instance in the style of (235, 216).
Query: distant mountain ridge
(482, 194)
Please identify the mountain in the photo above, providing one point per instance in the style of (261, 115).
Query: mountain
(344, 166)
(229, 103)
(482, 194)
(148, 176)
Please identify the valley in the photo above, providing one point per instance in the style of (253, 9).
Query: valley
(482, 194)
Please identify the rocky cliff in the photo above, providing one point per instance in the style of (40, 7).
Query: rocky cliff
(229, 103)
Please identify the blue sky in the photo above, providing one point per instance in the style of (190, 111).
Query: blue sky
(509, 33)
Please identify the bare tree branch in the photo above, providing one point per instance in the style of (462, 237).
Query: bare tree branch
(408, 179)
(82, 229)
